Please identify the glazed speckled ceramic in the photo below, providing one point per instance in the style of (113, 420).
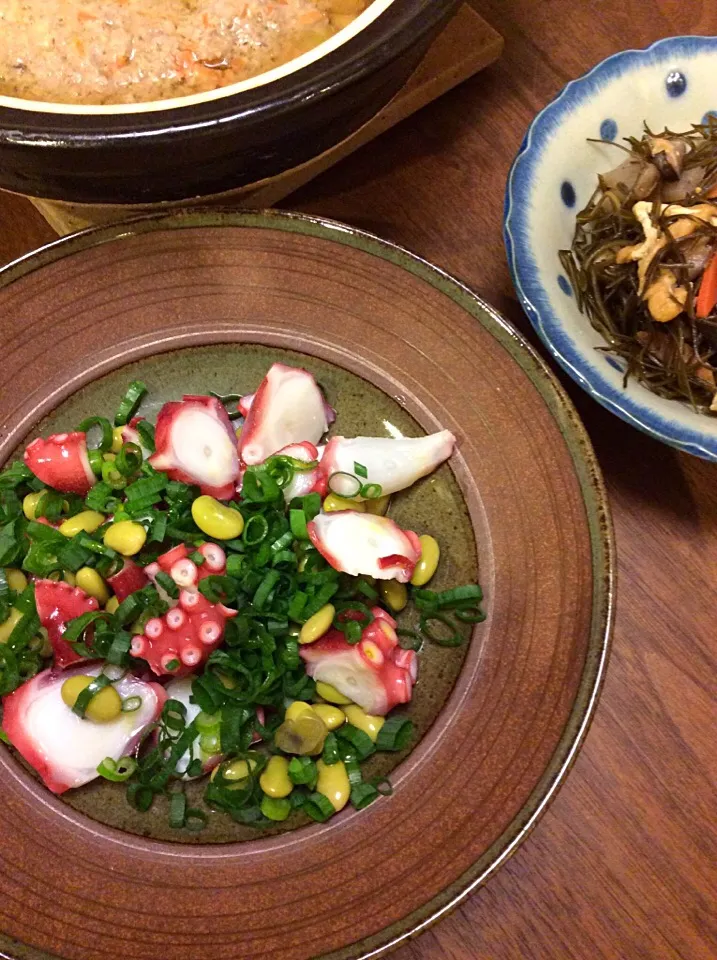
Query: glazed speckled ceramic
(204, 301)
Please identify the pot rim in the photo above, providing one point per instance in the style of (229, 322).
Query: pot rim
(398, 26)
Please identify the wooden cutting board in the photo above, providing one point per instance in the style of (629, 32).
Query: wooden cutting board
(467, 45)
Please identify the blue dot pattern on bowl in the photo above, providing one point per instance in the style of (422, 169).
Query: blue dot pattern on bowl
(676, 83)
(710, 115)
(564, 285)
(615, 364)
(608, 130)
(567, 193)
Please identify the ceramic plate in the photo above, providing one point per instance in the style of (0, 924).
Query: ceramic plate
(205, 301)
(670, 84)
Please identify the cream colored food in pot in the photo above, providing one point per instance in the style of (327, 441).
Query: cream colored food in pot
(133, 51)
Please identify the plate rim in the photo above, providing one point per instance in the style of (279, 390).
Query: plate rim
(587, 472)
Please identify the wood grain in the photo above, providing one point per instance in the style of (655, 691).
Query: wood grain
(624, 865)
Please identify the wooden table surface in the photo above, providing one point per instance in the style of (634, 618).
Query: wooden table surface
(624, 863)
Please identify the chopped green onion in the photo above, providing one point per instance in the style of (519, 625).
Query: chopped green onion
(470, 615)
(77, 626)
(207, 721)
(50, 505)
(275, 809)
(361, 743)
(140, 796)
(111, 475)
(338, 485)
(318, 807)
(360, 470)
(130, 402)
(218, 589)
(105, 428)
(256, 529)
(96, 461)
(371, 491)
(258, 486)
(353, 769)
(158, 528)
(409, 639)
(297, 519)
(117, 771)
(235, 562)
(98, 496)
(147, 487)
(164, 580)
(131, 704)
(172, 665)
(129, 459)
(177, 810)
(119, 648)
(146, 435)
(303, 771)
(330, 754)
(226, 398)
(89, 693)
(395, 734)
(265, 588)
(363, 794)
(443, 639)
(194, 819)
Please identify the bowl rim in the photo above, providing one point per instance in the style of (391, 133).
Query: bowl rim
(588, 476)
(399, 26)
(637, 411)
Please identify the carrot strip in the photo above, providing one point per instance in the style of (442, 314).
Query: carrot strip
(707, 297)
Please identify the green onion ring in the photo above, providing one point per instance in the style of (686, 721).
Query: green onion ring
(105, 428)
(339, 476)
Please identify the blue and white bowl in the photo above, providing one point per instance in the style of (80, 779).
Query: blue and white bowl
(670, 84)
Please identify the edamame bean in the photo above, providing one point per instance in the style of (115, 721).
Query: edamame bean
(117, 441)
(7, 627)
(333, 503)
(426, 566)
(303, 736)
(102, 708)
(275, 809)
(364, 721)
(331, 694)
(30, 502)
(333, 783)
(238, 769)
(91, 582)
(88, 520)
(331, 716)
(274, 780)
(394, 595)
(126, 537)
(316, 626)
(16, 579)
(378, 506)
(216, 520)
(296, 709)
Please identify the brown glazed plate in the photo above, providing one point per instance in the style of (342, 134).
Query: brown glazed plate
(205, 301)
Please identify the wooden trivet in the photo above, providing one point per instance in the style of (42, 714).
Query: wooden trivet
(467, 45)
